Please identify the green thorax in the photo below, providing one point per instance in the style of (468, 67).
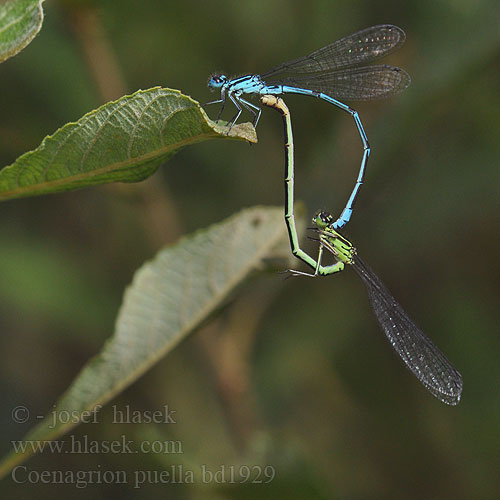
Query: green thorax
(341, 247)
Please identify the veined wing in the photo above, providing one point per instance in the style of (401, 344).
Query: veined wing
(359, 48)
(417, 351)
(365, 83)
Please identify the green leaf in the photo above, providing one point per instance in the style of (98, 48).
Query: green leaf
(20, 21)
(122, 141)
(168, 298)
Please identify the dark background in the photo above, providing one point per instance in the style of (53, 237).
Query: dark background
(296, 373)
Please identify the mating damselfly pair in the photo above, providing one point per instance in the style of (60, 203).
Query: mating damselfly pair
(331, 73)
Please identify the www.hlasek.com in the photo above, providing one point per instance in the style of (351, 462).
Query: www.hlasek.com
(83, 445)
(176, 474)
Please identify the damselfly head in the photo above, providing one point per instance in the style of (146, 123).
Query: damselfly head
(322, 219)
(216, 81)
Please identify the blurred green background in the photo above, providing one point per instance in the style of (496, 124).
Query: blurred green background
(294, 374)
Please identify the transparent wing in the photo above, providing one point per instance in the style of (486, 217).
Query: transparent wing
(417, 351)
(359, 48)
(364, 83)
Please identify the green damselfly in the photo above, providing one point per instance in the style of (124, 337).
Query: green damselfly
(417, 351)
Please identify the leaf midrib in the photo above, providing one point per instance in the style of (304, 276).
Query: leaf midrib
(103, 170)
(15, 21)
